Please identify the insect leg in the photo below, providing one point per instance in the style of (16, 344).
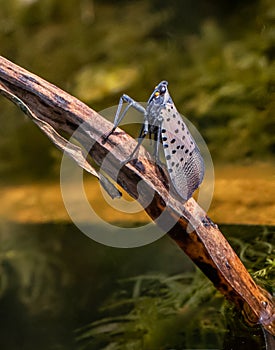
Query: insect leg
(133, 103)
(142, 135)
(157, 138)
(119, 116)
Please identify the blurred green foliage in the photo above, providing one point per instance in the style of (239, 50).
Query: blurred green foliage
(182, 311)
(158, 312)
(54, 281)
(217, 56)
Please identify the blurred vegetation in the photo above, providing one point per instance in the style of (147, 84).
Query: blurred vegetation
(158, 312)
(181, 311)
(56, 292)
(217, 56)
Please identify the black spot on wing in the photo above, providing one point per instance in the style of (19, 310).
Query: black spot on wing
(184, 162)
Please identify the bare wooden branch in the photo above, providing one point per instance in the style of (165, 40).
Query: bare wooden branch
(205, 244)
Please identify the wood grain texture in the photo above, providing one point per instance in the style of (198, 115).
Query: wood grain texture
(204, 244)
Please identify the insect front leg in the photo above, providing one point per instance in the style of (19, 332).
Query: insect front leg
(143, 132)
(120, 115)
(155, 129)
(157, 139)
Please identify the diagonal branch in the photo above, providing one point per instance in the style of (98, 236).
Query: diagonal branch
(57, 111)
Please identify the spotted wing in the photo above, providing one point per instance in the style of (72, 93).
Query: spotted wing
(184, 161)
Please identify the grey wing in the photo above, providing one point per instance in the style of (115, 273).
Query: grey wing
(184, 161)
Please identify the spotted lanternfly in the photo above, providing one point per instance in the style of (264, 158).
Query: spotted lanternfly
(185, 164)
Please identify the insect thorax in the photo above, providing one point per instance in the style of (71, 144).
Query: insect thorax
(154, 114)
